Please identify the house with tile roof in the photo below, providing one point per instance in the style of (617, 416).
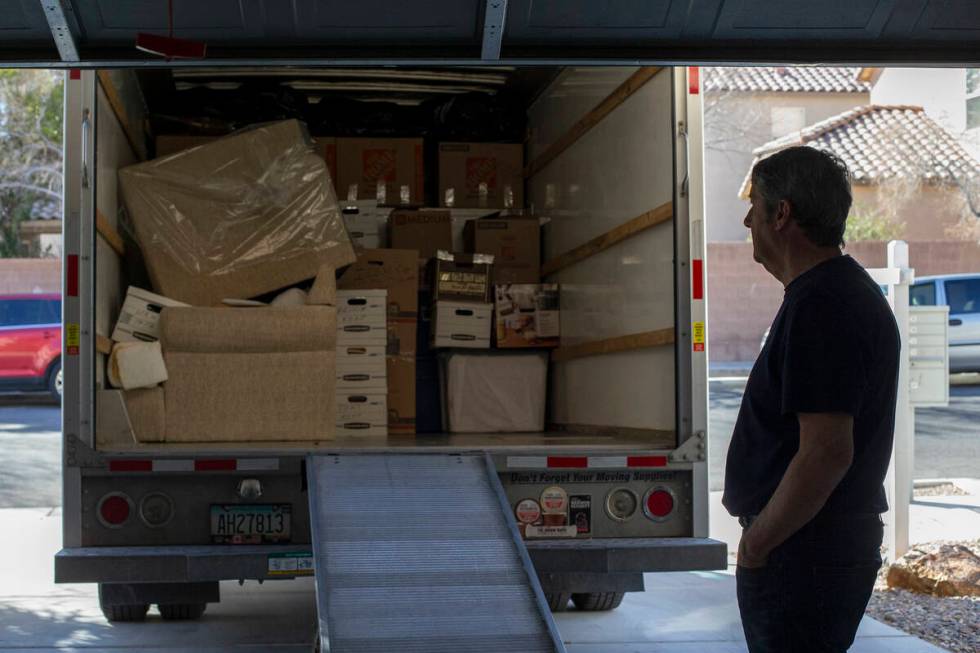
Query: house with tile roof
(747, 107)
(904, 166)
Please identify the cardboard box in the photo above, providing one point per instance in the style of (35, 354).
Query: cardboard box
(461, 324)
(515, 244)
(481, 175)
(425, 231)
(239, 217)
(367, 223)
(396, 271)
(401, 395)
(361, 366)
(139, 318)
(362, 413)
(394, 163)
(324, 146)
(362, 317)
(462, 277)
(527, 315)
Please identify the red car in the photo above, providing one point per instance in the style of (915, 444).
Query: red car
(30, 343)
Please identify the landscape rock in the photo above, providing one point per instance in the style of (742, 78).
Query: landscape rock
(938, 569)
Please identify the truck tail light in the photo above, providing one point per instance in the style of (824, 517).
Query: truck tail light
(621, 504)
(114, 509)
(658, 503)
(156, 509)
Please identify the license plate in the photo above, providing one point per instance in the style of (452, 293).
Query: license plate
(250, 524)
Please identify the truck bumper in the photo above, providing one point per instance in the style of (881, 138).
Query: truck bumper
(186, 564)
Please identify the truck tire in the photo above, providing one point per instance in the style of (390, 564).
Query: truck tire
(557, 601)
(182, 611)
(120, 613)
(598, 601)
(55, 380)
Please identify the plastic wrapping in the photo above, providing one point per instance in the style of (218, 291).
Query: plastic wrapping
(241, 216)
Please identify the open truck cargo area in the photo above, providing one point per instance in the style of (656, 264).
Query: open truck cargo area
(612, 483)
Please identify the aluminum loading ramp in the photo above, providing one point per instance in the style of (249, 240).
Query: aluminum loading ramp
(420, 554)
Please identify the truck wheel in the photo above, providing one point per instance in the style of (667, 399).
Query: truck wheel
(182, 611)
(56, 381)
(117, 613)
(557, 601)
(598, 601)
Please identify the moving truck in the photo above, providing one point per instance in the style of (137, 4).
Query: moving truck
(613, 170)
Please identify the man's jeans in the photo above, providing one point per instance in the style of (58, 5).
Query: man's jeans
(811, 595)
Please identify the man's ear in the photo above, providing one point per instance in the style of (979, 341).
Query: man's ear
(781, 218)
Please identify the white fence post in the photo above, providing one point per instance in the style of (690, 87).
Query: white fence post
(899, 480)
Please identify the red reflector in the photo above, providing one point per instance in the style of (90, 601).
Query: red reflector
(215, 465)
(130, 466)
(646, 461)
(74, 73)
(114, 510)
(693, 80)
(568, 461)
(71, 275)
(697, 279)
(660, 503)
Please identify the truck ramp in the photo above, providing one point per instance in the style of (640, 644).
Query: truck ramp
(419, 553)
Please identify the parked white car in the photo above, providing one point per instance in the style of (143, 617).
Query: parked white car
(961, 292)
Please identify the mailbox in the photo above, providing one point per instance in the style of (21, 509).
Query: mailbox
(929, 355)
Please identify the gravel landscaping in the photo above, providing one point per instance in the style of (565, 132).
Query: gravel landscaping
(952, 623)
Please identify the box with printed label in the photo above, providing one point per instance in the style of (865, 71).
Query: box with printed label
(462, 324)
(426, 231)
(527, 315)
(362, 413)
(514, 243)
(362, 317)
(462, 277)
(139, 318)
(478, 175)
(388, 170)
(361, 366)
(367, 223)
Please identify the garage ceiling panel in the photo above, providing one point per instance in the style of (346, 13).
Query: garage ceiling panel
(799, 19)
(22, 20)
(402, 22)
(598, 21)
(115, 21)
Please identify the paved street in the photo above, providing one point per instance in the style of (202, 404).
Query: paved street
(30, 453)
(947, 440)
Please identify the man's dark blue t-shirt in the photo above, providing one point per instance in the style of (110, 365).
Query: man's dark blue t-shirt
(833, 348)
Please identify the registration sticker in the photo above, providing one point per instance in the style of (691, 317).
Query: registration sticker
(73, 338)
(297, 563)
(697, 331)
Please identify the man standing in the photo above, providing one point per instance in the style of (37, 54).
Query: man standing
(814, 433)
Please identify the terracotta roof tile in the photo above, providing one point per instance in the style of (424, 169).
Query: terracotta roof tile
(882, 142)
(784, 79)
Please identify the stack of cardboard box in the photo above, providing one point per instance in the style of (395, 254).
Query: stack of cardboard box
(362, 377)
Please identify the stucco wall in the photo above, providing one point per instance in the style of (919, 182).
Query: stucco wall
(30, 275)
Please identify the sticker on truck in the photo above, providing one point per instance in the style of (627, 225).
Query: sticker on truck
(296, 563)
(697, 332)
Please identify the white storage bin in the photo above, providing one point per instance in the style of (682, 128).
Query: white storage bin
(361, 366)
(362, 317)
(362, 413)
(462, 324)
(494, 392)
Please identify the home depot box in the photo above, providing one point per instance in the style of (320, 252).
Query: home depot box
(401, 395)
(526, 315)
(461, 324)
(426, 231)
(394, 270)
(386, 169)
(514, 243)
(323, 146)
(462, 277)
(244, 215)
(481, 175)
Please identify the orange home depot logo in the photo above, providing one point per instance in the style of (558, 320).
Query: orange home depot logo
(480, 170)
(378, 165)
